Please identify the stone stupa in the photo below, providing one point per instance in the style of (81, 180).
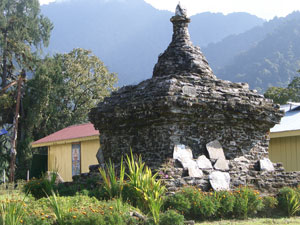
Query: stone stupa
(184, 104)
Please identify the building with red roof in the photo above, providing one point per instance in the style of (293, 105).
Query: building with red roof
(71, 150)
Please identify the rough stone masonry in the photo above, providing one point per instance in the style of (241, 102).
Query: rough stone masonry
(184, 104)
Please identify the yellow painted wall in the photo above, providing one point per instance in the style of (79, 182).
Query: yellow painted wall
(287, 151)
(60, 157)
(88, 154)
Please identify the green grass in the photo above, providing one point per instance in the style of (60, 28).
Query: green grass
(255, 221)
(9, 188)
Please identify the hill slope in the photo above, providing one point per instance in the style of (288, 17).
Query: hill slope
(270, 59)
(128, 35)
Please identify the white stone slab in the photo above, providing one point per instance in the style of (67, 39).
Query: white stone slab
(219, 180)
(194, 171)
(222, 165)
(204, 163)
(241, 159)
(215, 150)
(184, 155)
(266, 165)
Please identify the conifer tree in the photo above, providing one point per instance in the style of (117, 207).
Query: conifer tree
(22, 29)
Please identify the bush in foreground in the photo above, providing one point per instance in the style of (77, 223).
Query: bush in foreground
(289, 201)
(196, 204)
(171, 217)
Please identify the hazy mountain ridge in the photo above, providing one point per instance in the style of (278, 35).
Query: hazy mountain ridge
(271, 58)
(129, 35)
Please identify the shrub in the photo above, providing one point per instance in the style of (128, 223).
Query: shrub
(131, 195)
(150, 221)
(92, 182)
(99, 193)
(114, 218)
(207, 206)
(35, 220)
(79, 209)
(247, 202)
(178, 202)
(270, 204)
(68, 190)
(226, 203)
(288, 199)
(203, 205)
(42, 187)
(80, 219)
(171, 217)
(107, 218)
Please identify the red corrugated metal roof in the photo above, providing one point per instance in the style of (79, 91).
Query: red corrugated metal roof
(72, 132)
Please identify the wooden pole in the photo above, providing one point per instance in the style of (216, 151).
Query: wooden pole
(13, 151)
(27, 175)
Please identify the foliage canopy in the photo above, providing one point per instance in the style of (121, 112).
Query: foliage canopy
(282, 95)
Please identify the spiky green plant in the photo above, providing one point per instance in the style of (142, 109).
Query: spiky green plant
(135, 169)
(56, 207)
(150, 189)
(289, 200)
(293, 204)
(112, 185)
(11, 211)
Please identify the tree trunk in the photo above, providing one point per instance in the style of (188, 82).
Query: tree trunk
(4, 61)
(13, 152)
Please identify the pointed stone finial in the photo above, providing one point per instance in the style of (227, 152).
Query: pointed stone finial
(180, 11)
(181, 56)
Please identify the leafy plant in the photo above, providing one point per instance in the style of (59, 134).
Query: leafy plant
(79, 210)
(178, 202)
(150, 190)
(203, 204)
(135, 168)
(42, 187)
(270, 205)
(288, 200)
(206, 205)
(68, 190)
(11, 211)
(131, 195)
(247, 202)
(226, 203)
(112, 185)
(171, 217)
(57, 209)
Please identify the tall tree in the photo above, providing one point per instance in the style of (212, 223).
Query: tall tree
(23, 32)
(282, 95)
(22, 29)
(294, 86)
(279, 95)
(71, 84)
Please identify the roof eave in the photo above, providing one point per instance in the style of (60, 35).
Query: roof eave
(66, 141)
(286, 133)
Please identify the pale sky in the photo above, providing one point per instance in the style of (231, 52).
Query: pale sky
(266, 9)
